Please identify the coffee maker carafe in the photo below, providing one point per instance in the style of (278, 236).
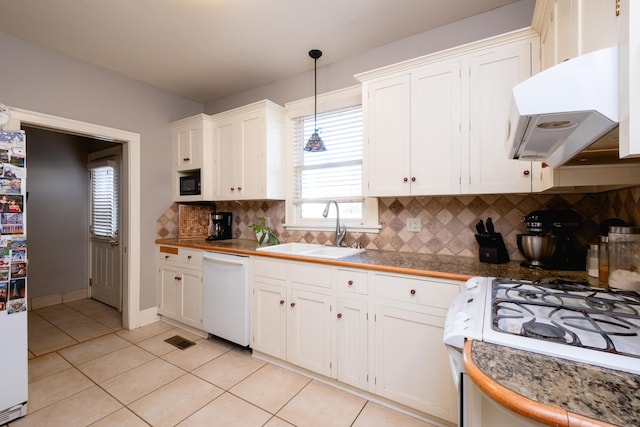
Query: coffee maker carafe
(220, 226)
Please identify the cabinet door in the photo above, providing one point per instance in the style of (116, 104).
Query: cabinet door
(412, 364)
(252, 161)
(548, 37)
(309, 331)
(269, 319)
(188, 141)
(492, 78)
(568, 29)
(190, 288)
(600, 25)
(435, 129)
(388, 133)
(169, 280)
(352, 338)
(226, 144)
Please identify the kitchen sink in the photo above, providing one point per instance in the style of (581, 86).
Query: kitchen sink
(311, 250)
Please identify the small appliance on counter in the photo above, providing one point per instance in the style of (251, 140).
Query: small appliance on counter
(492, 248)
(220, 226)
(550, 243)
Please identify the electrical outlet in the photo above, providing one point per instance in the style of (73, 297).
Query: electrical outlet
(413, 224)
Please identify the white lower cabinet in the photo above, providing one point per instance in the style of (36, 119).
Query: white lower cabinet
(292, 320)
(180, 280)
(378, 332)
(412, 364)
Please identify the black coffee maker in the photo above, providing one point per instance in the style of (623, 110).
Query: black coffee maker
(561, 224)
(220, 226)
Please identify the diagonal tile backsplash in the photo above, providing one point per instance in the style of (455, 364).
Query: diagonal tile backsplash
(447, 222)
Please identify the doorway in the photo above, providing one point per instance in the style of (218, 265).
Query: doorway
(130, 238)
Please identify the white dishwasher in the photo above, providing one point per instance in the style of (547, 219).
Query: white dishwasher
(225, 292)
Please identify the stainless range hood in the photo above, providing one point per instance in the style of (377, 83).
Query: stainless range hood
(558, 113)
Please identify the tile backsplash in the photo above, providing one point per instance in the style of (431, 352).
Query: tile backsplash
(447, 222)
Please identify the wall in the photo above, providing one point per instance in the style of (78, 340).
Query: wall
(43, 81)
(448, 223)
(340, 74)
(58, 212)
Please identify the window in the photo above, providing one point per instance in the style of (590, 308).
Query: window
(337, 173)
(104, 198)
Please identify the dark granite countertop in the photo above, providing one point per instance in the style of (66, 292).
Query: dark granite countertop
(585, 393)
(442, 266)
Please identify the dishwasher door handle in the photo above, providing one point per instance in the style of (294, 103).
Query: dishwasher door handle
(226, 259)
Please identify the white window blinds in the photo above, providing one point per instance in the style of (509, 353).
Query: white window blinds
(332, 174)
(104, 199)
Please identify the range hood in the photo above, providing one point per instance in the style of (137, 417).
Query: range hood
(558, 113)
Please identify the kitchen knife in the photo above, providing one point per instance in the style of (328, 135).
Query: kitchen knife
(480, 227)
(490, 229)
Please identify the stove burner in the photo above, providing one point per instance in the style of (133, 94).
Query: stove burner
(600, 303)
(534, 329)
(528, 294)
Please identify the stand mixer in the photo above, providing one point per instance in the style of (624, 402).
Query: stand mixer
(550, 243)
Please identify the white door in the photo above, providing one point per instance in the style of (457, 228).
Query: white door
(105, 250)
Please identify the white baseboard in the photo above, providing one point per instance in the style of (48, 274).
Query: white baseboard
(148, 316)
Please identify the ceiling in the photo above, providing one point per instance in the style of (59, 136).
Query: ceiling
(208, 49)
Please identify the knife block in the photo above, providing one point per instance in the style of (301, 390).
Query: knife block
(492, 248)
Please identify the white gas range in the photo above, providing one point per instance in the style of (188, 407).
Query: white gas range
(556, 317)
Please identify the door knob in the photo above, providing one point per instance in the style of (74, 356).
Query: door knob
(114, 243)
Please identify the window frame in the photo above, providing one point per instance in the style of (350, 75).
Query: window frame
(335, 100)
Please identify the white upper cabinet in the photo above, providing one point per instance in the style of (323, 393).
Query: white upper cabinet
(249, 144)
(193, 155)
(569, 28)
(437, 124)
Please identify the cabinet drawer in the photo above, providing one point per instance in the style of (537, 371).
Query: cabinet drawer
(310, 274)
(352, 281)
(168, 254)
(268, 268)
(190, 257)
(428, 292)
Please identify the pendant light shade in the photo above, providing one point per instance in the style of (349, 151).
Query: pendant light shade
(315, 143)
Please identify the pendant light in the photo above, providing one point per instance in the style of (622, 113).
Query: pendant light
(315, 143)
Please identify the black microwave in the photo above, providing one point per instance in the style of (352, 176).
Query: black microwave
(190, 185)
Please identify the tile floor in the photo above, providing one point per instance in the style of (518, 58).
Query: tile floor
(107, 376)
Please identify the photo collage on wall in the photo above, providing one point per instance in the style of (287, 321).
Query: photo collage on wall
(13, 243)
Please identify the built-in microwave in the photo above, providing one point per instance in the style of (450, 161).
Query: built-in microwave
(190, 185)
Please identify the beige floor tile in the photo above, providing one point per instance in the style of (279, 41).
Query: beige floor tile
(92, 349)
(56, 387)
(95, 310)
(81, 409)
(157, 345)
(141, 380)
(121, 418)
(270, 388)
(57, 314)
(175, 401)
(83, 328)
(202, 352)
(140, 334)
(374, 415)
(108, 366)
(229, 369)
(277, 422)
(46, 365)
(320, 405)
(57, 339)
(227, 410)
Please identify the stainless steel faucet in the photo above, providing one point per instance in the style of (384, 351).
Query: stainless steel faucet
(341, 230)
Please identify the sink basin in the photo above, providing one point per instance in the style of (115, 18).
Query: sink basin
(311, 250)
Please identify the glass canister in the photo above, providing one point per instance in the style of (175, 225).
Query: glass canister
(593, 254)
(603, 259)
(624, 258)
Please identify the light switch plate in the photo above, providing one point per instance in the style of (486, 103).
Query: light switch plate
(413, 224)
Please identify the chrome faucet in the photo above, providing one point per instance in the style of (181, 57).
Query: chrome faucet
(341, 230)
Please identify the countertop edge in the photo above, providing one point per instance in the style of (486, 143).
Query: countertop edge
(521, 405)
(338, 263)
